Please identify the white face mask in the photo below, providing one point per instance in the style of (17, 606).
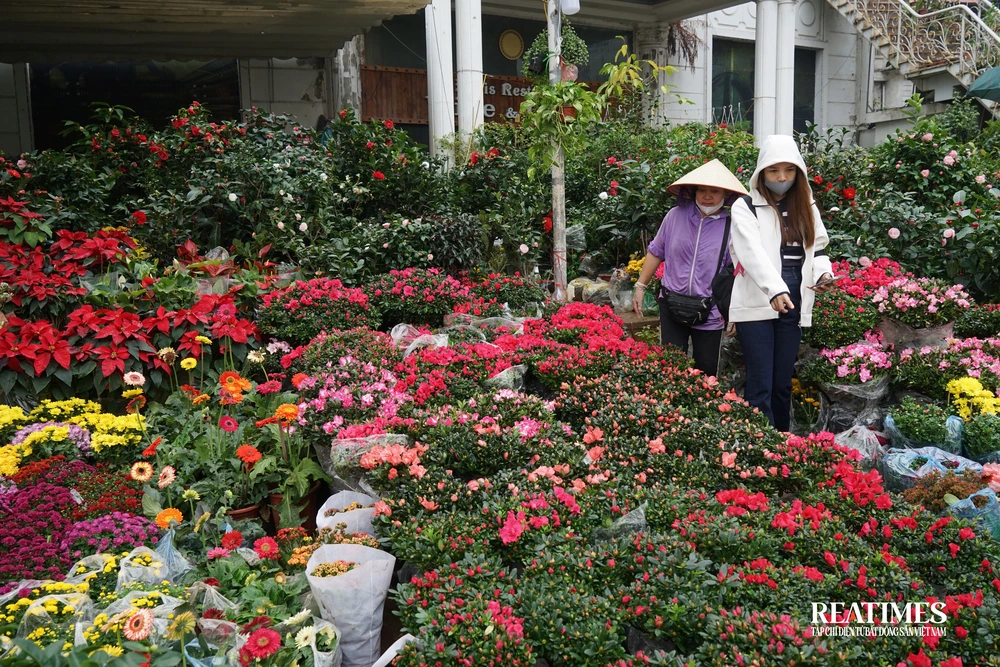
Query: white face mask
(709, 210)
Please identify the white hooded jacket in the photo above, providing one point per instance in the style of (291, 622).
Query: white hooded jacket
(755, 246)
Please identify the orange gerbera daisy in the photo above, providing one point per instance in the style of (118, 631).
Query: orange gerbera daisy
(287, 412)
(227, 397)
(234, 383)
(248, 454)
(164, 518)
(200, 398)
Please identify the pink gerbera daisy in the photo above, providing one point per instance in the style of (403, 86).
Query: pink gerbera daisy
(138, 625)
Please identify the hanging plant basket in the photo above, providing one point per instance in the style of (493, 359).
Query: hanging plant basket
(568, 112)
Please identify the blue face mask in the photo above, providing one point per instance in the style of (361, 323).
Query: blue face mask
(779, 187)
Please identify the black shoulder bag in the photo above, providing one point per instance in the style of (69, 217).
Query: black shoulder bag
(688, 309)
(722, 284)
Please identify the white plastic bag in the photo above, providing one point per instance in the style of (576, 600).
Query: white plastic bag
(865, 441)
(358, 521)
(353, 601)
(511, 378)
(394, 650)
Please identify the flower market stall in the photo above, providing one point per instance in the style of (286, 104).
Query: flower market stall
(265, 445)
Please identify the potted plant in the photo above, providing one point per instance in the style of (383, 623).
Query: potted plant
(294, 499)
(919, 311)
(535, 61)
(555, 117)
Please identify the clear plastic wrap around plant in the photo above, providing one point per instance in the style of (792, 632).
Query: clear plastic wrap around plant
(462, 332)
(510, 378)
(620, 291)
(952, 442)
(209, 597)
(515, 324)
(354, 600)
(865, 441)
(845, 405)
(56, 612)
(161, 613)
(358, 521)
(177, 564)
(899, 474)
(394, 650)
(85, 568)
(249, 556)
(216, 631)
(633, 522)
(21, 585)
(410, 339)
(342, 460)
(597, 293)
(576, 238)
(426, 340)
(990, 457)
(987, 516)
(903, 336)
(142, 565)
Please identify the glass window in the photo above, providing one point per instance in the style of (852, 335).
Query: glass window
(732, 81)
(805, 89)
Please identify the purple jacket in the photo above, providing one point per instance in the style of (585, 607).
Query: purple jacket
(689, 246)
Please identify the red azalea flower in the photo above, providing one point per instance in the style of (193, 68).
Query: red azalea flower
(139, 218)
(849, 193)
(378, 176)
(388, 124)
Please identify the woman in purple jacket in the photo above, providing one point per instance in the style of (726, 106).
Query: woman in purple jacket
(692, 248)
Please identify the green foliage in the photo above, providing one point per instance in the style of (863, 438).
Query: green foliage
(981, 434)
(840, 320)
(921, 422)
(979, 322)
(574, 52)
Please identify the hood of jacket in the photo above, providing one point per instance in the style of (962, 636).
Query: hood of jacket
(776, 148)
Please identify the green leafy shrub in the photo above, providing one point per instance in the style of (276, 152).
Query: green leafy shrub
(921, 422)
(840, 319)
(981, 434)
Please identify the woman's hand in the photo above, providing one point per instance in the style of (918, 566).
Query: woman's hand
(637, 294)
(820, 288)
(782, 303)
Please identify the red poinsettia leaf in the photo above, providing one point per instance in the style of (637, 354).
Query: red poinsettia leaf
(41, 362)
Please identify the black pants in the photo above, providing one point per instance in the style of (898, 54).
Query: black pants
(770, 348)
(706, 343)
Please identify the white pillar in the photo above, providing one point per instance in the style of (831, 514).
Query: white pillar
(765, 64)
(469, 42)
(785, 88)
(440, 80)
(347, 84)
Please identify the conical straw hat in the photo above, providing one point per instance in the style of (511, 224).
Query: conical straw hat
(713, 174)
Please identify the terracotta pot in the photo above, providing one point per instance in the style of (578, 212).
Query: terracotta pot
(249, 512)
(309, 505)
(569, 112)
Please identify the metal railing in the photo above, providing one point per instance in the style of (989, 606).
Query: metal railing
(945, 38)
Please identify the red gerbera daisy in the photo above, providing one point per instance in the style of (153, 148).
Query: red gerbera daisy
(256, 624)
(267, 549)
(232, 540)
(263, 643)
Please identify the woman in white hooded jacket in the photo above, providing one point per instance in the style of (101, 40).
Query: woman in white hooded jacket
(780, 263)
